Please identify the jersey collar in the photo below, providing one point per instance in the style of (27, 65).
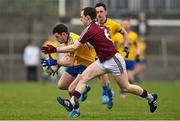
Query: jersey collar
(105, 21)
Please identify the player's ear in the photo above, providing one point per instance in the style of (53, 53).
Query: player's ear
(89, 18)
(64, 34)
(106, 12)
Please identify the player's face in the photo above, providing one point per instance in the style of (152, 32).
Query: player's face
(101, 14)
(61, 38)
(84, 19)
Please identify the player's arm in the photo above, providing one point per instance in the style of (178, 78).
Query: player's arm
(115, 45)
(137, 48)
(70, 48)
(89, 46)
(125, 36)
(85, 35)
(137, 58)
(126, 41)
(66, 60)
(51, 49)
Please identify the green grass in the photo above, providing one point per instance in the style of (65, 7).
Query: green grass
(37, 101)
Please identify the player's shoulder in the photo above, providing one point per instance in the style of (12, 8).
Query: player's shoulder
(114, 24)
(109, 20)
(73, 34)
(133, 33)
(118, 35)
(51, 42)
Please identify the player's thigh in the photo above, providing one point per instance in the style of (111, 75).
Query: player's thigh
(92, 71)
(65, 80)
(122, 80)
(73, 85)
(142, 67)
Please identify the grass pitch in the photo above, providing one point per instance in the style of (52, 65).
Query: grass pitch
(35, 101)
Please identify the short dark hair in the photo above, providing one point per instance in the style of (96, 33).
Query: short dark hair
(100, 4)
(60, 28)
(90, 11)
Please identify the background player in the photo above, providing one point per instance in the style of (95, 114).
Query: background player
(140, 61)
(133, 52)
(113, 28)
(109, 61)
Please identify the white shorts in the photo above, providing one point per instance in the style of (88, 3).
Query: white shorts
(115, 65)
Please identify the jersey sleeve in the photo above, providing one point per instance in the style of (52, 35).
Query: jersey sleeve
(135, 37)
(119, 27)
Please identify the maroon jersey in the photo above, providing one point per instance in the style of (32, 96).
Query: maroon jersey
(99, 38)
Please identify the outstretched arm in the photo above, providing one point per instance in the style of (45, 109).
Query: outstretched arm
(69, 48)
(51, 49)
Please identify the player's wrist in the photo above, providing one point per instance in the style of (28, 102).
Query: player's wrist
(126, 49)
(55, 62)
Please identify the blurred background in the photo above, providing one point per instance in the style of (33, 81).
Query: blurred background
(30, 21)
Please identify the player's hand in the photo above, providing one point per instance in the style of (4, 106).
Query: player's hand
(48, 62)
(48, 49)
(126, 50)
(55, 72)
(137, 59)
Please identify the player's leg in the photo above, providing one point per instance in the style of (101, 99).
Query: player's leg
(90, 72)
(142, 67)
(65, 80)
(130, 67)
(105, 85)
(87, 88)
(107, 93)
(130, 76)
(139, 70)
(122, 81)
(121, 77)
(72, 72)
(76, 111)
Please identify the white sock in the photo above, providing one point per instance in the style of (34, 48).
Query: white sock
(149, 97)
(72, 100)
(76, 109)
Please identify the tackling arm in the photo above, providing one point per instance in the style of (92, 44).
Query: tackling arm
(69, 48)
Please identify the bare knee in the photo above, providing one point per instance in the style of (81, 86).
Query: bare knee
(126, 88)
(61, 86)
